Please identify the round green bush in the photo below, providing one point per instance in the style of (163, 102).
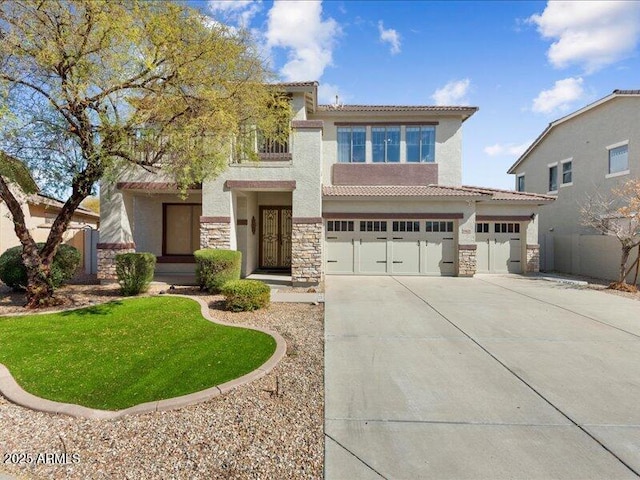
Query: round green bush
(14, 274)
(215, 267)
(135, 272)
(246, 295)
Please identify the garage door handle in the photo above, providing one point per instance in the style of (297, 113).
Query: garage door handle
(332, 261)
(381, 238)
(398, 238)
(447, 238)
(448, 262)
(398, 261)
(332, 238)
(381, 261)
(515, 239)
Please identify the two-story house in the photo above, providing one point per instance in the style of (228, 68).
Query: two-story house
(358, 189)
(590, 151)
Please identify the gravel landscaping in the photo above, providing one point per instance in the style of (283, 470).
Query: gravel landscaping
(270, 428)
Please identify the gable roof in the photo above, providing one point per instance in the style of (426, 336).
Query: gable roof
(615, 94)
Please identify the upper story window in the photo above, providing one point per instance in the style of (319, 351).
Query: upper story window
(618, 159)
(421, 142)
(520, 183)
(351, 144)
(567, 172)
(385, 144)
(553, 178)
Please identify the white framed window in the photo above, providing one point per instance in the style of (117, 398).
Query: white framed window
(351, 144)
(552, 177)
(438, 226)
(618, 161)
(404, 226)
(373, 226)
(385, 144)
(567, 172)
(482, 227)
(507, 227)
(340, 226)
(420, 143)
(520, 182)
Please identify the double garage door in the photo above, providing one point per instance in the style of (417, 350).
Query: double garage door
(390, 247)
(499, 247)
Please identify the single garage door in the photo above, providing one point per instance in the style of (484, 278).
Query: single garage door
(390, 247)
(499, 247)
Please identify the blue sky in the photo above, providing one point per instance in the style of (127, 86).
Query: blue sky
(523, 63)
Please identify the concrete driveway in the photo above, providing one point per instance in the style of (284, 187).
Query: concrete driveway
(493, 377)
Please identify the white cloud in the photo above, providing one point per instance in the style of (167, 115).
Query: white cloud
(237, 11)
(300, 28)
(452, 93)
(327, 94)
(591, 34)
(509, 149)
(560, 96)
(390, 36)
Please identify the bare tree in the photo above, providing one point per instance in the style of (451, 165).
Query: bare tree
(618, 215)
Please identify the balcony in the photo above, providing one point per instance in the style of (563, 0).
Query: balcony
(254, 148)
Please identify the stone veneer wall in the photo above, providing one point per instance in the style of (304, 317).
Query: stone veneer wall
(106, 253)
(306, 251)
(466, 260)
(215, 232)
(533, 258)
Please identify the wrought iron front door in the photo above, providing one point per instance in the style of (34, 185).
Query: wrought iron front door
(275, 237)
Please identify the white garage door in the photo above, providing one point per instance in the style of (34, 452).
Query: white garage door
(499, 247)
(390, 247)
(339, 246)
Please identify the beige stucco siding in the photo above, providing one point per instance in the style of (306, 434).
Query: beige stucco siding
(583, 139)
(448, 148)
(566, 245)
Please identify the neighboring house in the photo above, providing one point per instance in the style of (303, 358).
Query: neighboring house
(594, 149)
(358, 189)
(40, 211)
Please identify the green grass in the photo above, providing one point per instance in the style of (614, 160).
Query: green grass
(127, 352)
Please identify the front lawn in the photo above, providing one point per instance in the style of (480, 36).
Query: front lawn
(127, 352)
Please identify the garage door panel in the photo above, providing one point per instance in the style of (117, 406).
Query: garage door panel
(440, 253)
(406, 255)
(499, 248)
(373, 255)
(339, 255)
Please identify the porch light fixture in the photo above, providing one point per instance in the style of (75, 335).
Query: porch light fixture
(253, 225)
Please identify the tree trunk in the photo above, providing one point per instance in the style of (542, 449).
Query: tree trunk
(626, 250)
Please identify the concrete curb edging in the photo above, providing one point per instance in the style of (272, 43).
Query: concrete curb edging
(13, 392)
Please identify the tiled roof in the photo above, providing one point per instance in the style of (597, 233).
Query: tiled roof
(396, 191)
(394, 108)
(297, 84)
(509, 195)
(477, 193)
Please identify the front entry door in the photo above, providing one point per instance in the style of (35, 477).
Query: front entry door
(275, 237)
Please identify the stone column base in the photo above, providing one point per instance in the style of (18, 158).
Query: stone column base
(466, 260)
(106, 253)
(533, 259)
(306, 251)
(215, 232)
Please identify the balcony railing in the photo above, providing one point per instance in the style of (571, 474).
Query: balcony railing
(263, 149)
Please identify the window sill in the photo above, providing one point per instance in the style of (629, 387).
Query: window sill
(570, 184)
(617, 174)
(552, 192)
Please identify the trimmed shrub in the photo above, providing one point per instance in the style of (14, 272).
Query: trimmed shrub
(14, 274)
(135, 272)
(215, 267)
(246, 295)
